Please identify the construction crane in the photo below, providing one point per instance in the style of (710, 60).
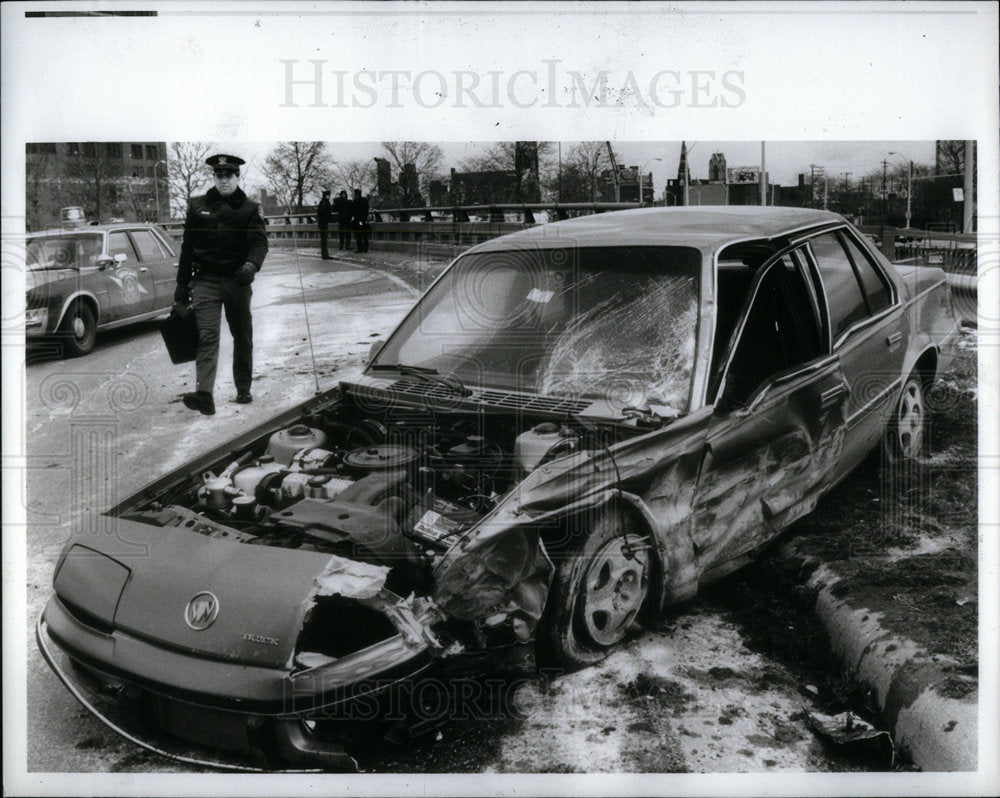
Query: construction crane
(614, 172)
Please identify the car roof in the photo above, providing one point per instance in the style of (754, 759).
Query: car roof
(706, 227)
(91, 228)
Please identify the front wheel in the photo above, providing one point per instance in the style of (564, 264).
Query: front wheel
(600, 586)
(78, 330)
(904, 437)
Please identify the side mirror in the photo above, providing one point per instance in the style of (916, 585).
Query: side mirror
(103, 261)
(375, 348)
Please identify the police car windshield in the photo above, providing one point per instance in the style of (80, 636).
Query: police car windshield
(613, 323)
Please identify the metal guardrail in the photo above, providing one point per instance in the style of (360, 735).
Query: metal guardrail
(452, 228)
(448, 225)
(957, 254)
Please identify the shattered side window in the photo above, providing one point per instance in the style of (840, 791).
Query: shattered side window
(612, 323)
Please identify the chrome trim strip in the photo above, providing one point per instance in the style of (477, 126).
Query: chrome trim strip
(861, 410)
(134, 319)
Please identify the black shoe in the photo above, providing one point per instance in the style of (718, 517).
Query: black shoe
(328, 257)
(244, 397)
(201, 401)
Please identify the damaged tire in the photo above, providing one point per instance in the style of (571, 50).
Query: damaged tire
(600, 586)
(904, 435)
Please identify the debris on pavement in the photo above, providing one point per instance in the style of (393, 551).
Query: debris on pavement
(848, 729)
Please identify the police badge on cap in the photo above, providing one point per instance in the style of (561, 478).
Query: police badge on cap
(225, 163)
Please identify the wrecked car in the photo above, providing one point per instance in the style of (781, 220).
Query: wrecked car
(574, 428)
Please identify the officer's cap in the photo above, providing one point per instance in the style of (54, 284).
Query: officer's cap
(222, 163)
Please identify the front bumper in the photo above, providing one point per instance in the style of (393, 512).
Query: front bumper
(196, 733)
(114, 703)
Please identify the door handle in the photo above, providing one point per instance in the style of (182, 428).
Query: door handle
(143, 269)
(895, 338)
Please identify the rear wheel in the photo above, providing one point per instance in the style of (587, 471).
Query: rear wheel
(600, 586)
(78, 330)
(904, 437)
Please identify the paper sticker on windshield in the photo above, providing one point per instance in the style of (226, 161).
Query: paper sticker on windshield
(538, 295)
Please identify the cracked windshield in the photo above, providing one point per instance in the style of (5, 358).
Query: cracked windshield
(608, 323)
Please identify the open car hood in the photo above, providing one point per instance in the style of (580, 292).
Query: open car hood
(259, 595)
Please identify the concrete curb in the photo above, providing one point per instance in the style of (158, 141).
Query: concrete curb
(938, 732)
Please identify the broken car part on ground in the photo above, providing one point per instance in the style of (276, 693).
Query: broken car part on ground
(575, 427)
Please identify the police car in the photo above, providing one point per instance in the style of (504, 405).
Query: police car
(81, 279)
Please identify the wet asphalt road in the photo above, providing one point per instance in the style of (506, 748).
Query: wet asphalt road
(688, 698)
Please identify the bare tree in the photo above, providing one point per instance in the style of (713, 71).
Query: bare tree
(40, 197)
(425, 157)
(502, 156)
(187, 174)
(93, 180)
(297, 169)
(359, 173)
(589, 159)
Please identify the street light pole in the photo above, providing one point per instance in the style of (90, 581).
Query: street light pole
(641, 170)
(156, 188)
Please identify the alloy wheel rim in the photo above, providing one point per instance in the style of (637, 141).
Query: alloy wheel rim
(614, 589)
(910, 430)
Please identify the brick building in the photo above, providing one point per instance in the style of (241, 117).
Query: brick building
(109, 180)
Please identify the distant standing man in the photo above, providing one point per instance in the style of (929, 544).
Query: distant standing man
(342, 207)
(323, 213)
(225, 241)
(359, 214)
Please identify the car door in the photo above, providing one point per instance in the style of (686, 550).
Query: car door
(775, 437)
(156, 256)
(867, 334)
(129, 283)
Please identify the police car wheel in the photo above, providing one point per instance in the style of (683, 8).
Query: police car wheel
(79, 330)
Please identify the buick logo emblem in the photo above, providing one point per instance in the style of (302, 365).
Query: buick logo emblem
(201, 611)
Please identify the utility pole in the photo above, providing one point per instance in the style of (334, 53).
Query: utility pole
(968, 202)
(885, 163)
(559, 180)
(763, 176)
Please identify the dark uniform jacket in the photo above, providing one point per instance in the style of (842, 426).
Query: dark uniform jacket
(342, 206)
(221, 234)
(324, 212)
(359, 213)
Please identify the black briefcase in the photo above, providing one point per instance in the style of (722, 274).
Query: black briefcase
(180, 334)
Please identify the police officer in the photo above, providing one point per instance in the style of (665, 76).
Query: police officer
(342, 207)
(224, 245)
(359, 218)
(323, 213)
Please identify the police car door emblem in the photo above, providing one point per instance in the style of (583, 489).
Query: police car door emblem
(201, 611)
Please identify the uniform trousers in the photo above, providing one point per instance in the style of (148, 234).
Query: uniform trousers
(211, 294)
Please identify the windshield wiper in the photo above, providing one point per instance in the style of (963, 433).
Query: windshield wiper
(426, 374)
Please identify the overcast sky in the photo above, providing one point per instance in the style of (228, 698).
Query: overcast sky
(784, 159)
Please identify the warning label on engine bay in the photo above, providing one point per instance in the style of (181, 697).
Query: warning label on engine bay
(435, 526)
